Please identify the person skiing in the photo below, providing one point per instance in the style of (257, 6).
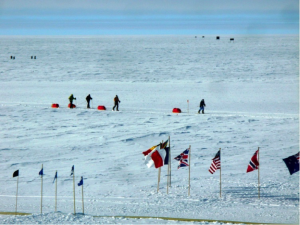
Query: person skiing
(88, 99)
(116, 101)
(202, 105)
(71, 98)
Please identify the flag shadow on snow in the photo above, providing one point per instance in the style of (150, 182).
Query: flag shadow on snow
(251, 192)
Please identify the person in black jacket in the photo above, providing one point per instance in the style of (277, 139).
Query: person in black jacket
(116, 101)
(88, 99)
(202, 105)
(71, 98)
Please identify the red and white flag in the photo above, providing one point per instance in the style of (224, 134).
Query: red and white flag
(155, 156)
(216, 163)
(253, 164)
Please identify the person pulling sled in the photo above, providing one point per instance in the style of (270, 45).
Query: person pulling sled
(71, 98)
(116, 101)
(202, 105)
(88, 99)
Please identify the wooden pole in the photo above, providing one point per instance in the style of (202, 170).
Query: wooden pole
(82, 197)
(170, 175)
(158, 180)
(189, 170)
(56, 192)
(74, 190)
(42, 191)
(258, 175)
(188, 107)
(17, 195)
(220, 175)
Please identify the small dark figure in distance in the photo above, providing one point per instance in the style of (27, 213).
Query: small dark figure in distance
(71, 98)
(88, 99)
(202, 105)
(116, 101)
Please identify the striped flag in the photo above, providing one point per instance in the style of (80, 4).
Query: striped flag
(216, 163)
(253, 164)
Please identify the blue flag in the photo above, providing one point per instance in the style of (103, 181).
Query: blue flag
(80, 182)
(292, 163)
(72, 170)
(41, 172)
(55, 177)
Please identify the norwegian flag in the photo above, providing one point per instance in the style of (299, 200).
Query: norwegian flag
(216, 163)
(183, 158)
(253, 164)
(292, 163)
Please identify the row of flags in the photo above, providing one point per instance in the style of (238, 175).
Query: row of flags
(41, 173)
(158, 155)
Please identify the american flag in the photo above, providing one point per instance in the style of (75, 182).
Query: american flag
(216, 163)
(253, 164)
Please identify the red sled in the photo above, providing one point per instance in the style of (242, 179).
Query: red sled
(101, 107)
(73, 106)
(54, 105)
(176, 110)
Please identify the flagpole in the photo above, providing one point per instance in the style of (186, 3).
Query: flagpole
(17, 194)
(170, 175)
(158, 179)
(74, 190)
(42, 190)
(189, 169)
(82, 197)
(56, 192)
(258, 174)
(220, 176)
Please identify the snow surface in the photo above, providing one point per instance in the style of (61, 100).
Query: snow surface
(251, 91)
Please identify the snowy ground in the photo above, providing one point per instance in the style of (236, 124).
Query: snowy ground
(251, 91)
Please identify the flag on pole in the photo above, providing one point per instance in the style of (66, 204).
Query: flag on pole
(149, 150)
(183, 163)
(183, 158)
(253, 164)
(164, 145)
(158, 157)
(216, 163)
(80, 182)
(72, 171)
(167, 149)
(148, 160)
(292, 163)
(41, 172)
(55, 177)
(16, 173)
